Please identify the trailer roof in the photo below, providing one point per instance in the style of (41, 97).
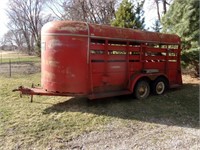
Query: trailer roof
(104, 31)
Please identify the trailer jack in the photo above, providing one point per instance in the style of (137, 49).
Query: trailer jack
(26, 91)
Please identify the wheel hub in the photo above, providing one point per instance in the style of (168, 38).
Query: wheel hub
(160, 87)
(142, 91)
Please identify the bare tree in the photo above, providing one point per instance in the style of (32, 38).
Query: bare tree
(58, 8)
(15, 37)
(7, 39)
(27, 18)
(95, 11)
(165, 3)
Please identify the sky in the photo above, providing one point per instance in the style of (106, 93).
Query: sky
(150, 16)
(3, 18)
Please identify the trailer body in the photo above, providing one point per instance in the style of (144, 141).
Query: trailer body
(96, 61)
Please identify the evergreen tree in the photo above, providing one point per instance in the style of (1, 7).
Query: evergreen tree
(156, 26)
(129, 16)
(182, 19)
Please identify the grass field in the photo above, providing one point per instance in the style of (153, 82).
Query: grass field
(53, 121)
(6, 56)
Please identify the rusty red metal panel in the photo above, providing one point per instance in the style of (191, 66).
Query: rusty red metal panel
(65, 27)
(64, 59)
(135, 49)
(134, 35)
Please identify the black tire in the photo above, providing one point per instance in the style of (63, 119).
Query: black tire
(159, 86)
(142, 90)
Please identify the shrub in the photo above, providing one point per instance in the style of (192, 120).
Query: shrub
(191, 58)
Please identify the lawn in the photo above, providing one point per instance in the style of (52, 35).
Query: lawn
(53, 121)
(16, 57)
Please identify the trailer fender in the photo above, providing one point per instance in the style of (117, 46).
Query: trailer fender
(138, 76)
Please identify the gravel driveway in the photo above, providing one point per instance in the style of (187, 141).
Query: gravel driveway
(138, 135)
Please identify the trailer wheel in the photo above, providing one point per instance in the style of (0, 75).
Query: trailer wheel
(142, 89)
(159, 86)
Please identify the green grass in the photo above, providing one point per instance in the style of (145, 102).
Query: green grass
(52, 121)
(20, 59)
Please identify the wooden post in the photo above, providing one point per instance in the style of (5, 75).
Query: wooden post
(1, 57)
(9, 67)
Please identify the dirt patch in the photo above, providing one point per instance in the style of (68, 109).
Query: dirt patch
(190, 79)
(6, 52)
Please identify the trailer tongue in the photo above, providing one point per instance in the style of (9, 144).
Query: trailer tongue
(38, 91)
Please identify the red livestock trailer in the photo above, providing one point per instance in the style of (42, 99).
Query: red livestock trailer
(97, 61)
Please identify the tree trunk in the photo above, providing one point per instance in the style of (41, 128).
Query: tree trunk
(164, 6)
(157, 7)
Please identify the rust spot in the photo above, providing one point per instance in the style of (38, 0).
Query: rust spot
(79, 39)
(75, 27)
(49, 75)
(53, 63)
(69, 72)
(68, 28)
(52, 44)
